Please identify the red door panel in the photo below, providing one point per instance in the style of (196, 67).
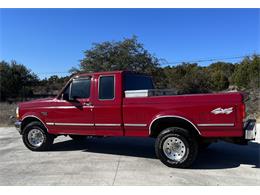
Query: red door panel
(70, 118)
(73, 112)
(107, 110)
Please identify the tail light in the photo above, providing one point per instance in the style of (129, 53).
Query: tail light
(243, 110)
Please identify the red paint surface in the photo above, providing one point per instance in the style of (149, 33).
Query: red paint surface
(195, 108)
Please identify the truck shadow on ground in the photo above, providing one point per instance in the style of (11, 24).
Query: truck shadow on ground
(219, 155)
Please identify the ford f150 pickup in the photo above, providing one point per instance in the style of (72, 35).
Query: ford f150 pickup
(123, 103)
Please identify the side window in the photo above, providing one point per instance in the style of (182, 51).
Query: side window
(80, 88)
(106, 89)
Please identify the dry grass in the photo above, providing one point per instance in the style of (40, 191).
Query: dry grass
(6, 111)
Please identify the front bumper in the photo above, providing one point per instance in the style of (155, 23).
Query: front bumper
(250, 129)
(17, 125)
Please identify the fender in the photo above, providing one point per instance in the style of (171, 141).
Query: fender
(32, 115)
(172, 116)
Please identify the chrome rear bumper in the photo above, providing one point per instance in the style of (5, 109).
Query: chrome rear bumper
(250, 129)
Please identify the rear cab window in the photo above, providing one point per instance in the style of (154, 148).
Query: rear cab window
(137, 82)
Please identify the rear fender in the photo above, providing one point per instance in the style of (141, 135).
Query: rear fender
(174, 116)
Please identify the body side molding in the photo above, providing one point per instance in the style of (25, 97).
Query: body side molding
(216, 125)
(134, 125)
(70, 124)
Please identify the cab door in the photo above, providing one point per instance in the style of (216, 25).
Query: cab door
(72, 113)
(108, 105)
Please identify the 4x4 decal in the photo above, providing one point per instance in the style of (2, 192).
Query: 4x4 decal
(222, 110)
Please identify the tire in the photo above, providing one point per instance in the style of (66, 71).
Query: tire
(36, 137)
(78, 137)
(176, 147)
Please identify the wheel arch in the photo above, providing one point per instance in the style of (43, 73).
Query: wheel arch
(30, 118)
(160, 123)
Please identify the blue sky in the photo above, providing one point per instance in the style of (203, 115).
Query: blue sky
(53, 40)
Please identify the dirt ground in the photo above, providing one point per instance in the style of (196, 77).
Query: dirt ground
(6, 111)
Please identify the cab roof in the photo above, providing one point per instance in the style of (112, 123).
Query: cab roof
(105, 73)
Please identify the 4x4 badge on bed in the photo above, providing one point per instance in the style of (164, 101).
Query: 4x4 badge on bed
(222, 110)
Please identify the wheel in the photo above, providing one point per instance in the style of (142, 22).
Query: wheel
(176, 147)
(78, 137)
(36, 137)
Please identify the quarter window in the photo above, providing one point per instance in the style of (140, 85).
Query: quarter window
(106, 87)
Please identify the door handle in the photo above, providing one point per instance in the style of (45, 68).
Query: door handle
(87, 104)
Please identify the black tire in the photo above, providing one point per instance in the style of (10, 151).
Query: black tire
(47, 138)
(78, 137)
(190, 145)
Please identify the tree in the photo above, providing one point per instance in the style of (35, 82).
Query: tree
(247, 73)
(220, 72)
(128, 54)
(51, 85)
(15, 80)
(188, 78)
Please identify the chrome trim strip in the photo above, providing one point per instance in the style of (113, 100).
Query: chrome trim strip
(217, 125)
(36, 118)
(50, 123)
(172, 116)
(109, 125)
(70, 124)
(134, 125)
(83, 124)
(75, 124)
(66, 107)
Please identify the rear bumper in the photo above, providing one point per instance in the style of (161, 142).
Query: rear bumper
(250, 129)
(17, 125)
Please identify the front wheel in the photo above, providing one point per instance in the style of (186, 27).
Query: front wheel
(36, 137)
(176, 147)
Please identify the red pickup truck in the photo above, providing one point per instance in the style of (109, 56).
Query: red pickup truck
(123, 103)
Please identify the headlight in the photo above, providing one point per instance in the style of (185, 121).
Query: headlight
(17, 112)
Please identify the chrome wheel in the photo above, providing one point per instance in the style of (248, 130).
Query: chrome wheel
(174, 148)
(35, 137)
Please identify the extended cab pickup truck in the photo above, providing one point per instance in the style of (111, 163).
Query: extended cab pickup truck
(123, 103)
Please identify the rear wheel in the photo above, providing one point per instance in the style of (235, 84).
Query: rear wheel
(176, 147)
(78, 137)
(36, 137)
